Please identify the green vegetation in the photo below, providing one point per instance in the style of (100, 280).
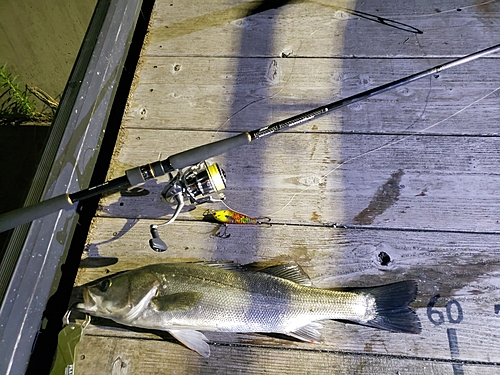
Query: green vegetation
(16, 106)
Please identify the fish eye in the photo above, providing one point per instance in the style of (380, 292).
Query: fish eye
(104, 285)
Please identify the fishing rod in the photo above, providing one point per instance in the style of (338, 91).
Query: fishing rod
(200, 179)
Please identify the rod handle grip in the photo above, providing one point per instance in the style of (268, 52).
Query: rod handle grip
(25, 215)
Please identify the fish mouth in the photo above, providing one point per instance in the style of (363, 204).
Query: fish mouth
(89, 304)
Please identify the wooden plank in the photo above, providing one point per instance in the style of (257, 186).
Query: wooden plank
(422, 182)
(119, 356)
(323, 28)
(248, 93)
(340, 257)
(331, 256)
(471, 344)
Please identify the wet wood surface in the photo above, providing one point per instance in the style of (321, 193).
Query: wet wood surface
(401, 186)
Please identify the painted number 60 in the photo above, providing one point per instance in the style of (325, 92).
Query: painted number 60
(437, 317)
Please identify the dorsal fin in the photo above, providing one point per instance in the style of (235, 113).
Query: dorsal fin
(229, 266)
(289, 271)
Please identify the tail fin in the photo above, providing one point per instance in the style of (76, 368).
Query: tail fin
(393, 312)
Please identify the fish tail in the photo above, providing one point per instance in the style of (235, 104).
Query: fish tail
(392, 310)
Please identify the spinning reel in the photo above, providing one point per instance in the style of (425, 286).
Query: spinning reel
(195, 184)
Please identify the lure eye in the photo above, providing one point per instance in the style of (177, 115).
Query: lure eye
(104, 285)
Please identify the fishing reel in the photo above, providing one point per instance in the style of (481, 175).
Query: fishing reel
(193, 184)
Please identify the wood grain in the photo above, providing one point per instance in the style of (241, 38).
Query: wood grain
(220, 94)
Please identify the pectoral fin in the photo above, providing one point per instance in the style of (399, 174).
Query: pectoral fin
(308, 333)
(176, 301)
(194, 340)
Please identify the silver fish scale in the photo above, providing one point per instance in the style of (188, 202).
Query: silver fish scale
(244, 301)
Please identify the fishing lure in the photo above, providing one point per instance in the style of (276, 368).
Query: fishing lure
(232, 217)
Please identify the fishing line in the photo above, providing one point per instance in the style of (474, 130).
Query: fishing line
(453, 10)
(440, 12)
(371, 17)
(322, 178)
(383, 147)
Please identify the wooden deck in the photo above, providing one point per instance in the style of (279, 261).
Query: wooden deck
(402, 186)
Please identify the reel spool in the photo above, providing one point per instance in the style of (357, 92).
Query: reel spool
(195, 183)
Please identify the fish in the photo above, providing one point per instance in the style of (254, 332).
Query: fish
(186, 298)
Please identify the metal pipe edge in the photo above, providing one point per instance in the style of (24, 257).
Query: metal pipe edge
(36, 250)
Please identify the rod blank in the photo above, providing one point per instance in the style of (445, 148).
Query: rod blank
(323, 110)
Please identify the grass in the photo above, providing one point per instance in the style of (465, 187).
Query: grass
(16, 105)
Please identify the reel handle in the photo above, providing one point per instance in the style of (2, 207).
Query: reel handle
(156, 243)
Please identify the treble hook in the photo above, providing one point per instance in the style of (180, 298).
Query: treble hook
(66, 319)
